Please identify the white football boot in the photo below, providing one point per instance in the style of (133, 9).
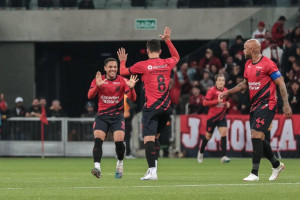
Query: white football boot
(251, 177)
(276, 171)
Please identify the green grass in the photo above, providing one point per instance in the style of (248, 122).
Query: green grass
(70, 178)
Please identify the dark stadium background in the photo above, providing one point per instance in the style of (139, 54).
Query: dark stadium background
(64, 70)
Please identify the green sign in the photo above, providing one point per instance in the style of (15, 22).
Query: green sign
(145, 24)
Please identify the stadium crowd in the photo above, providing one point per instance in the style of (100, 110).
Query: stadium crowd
(192, 79)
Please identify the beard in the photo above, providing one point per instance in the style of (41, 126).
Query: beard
(247, 56)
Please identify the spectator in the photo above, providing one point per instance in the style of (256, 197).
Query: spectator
(223, 52)
(86, 4)
(296, 70)
(192, 71)
(267, 41)
(196, 101)
(273, 52)
(209, 59)
(237, 47)
(3, 111)
(296, 35)
(19, 110)
(185, 86)
(90, 110)
(35, 109)
(289, 53)
(294, 97)
(233, 105)
(229, 64)
(233, 75)
(289, 77)
(3, 104)
(206, 82)
(175, 90)
(259, 33)
(43, 103)
(278, 31)
(56, 109)
(128, 115)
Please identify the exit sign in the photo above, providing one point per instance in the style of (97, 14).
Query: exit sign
(145, 24)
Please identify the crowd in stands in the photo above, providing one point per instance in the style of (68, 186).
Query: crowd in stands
(192, 79)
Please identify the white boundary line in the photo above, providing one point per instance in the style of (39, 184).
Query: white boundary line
(160, 186)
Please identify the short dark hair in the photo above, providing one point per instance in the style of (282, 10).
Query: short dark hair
(282, 18)
(109, 59)
(153, 45)
(219, 75)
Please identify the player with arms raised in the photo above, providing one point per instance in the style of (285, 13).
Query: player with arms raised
(261, 77)
(110, 89)
(216, 117)
(155, 74)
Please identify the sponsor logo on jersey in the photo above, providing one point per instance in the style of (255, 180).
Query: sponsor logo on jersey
(116, 83)
(258, 67)
(254, 85)
(150, 67)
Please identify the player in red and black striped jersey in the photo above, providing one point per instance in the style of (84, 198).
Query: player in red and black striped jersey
(261, 77)
(110, 89)
(216, 117)
(155, 74)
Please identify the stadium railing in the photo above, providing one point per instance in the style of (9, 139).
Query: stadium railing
(66, 137)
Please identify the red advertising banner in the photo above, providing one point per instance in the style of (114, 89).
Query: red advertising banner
(285, 135)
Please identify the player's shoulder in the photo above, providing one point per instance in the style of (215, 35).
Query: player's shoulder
(248, 62)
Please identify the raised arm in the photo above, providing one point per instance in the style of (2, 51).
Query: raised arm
(167, 38)
(94, 87)
(123, 57)
(282, 88)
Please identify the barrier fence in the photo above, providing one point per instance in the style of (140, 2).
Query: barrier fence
(284, 137)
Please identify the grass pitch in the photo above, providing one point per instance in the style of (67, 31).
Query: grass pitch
(70, 178)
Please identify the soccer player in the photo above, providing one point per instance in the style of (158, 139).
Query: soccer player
(216, 117)
(155, 74)
(261, 77)
(110, 89)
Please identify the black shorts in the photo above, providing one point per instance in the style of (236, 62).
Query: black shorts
(112, 123)
(210, 125)
(153, 121)
(261, 118)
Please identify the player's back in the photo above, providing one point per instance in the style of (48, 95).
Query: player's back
(156, 74)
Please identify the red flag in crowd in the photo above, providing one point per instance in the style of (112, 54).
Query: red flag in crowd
(43, 117)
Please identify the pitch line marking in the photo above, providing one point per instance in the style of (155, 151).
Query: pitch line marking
(159, 186)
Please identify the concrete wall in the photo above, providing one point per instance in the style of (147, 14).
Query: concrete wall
(106, 25)
(17, 71)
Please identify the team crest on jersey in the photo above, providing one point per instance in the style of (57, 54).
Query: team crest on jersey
(117, 88)
(257, 73)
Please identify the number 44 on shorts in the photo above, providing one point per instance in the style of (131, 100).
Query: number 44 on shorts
(260, 121)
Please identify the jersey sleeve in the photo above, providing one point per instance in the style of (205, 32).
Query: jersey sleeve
(137, 68)
(209, 95)
(93, 83)
(272, 67)
(171, 62)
